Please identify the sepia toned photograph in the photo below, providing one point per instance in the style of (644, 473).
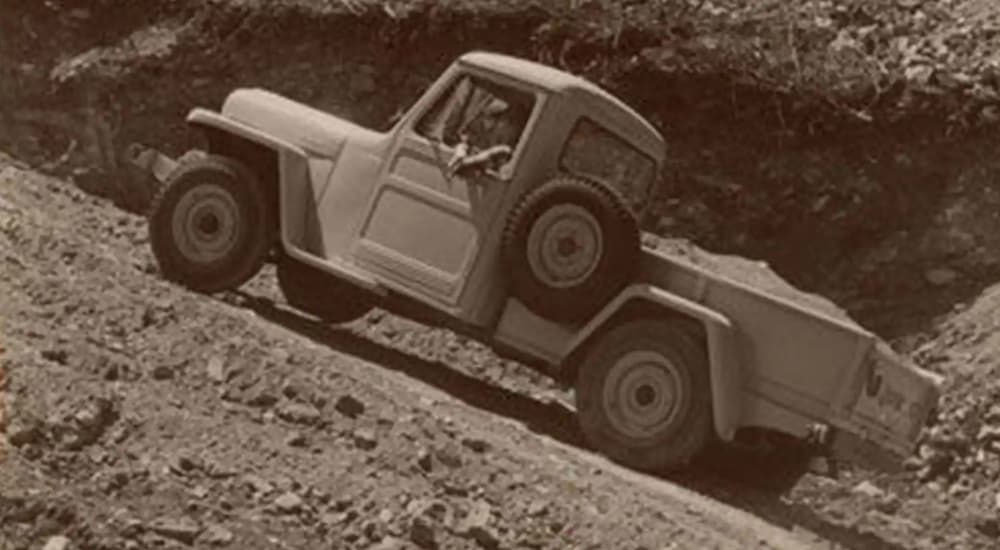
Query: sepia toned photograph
(499, 274)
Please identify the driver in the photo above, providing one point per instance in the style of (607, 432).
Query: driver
(492, 136)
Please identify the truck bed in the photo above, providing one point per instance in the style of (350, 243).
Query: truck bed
(799, 354)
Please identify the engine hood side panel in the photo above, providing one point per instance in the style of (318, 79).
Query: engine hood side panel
(317, 132)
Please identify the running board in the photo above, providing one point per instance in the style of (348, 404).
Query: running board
(338, 269)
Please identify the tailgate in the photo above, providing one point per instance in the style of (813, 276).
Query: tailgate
(890, 401)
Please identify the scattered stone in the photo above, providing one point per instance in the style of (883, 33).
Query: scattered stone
(993, 415)
(183, 530)
(298, 413)
(261, 397)
(216, 370)
(296, 439)
(60, 356)
(365, 439)
(217, 535)
(389, 543)
(163, 372)
(259, 485)
(476, 445)
(424, 460)
(940, 276)
(486, 537)
(960, 488)
(23, 432)
(288, 503)
(422, 533)
(868, 489)
(888, 504)
(989, 527)
(988, 433)
(183, 464)
(478, 516)
(538, 508)
(199, 491)
(448, 457)
(349, 406)
(58, 542)
(80, 14)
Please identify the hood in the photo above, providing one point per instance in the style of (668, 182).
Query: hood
(318, 132)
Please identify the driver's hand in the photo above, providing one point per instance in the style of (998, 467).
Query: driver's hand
(459, 156)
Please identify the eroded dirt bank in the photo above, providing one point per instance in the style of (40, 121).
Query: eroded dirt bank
(845, 143)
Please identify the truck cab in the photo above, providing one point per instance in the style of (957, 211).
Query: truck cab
(504, 204)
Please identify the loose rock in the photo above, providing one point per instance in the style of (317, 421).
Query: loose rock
(299, 413)
(216, 370)
(217, 535)
(296, 439)
(23, 432)
(365, 439)
(162, 372)
(940, 276)
(183, 530)
(57, 542)
(288, 503)
(868, 489)
(476, 445)
(349, 406)
(422, 533)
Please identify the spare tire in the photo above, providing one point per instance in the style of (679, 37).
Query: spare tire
(570, 246)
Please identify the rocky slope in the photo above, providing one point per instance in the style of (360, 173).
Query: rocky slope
(139, 415)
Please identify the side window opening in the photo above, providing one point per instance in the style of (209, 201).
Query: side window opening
(480, 113)
(598, 154)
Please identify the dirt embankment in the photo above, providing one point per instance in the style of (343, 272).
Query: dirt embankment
(829, 139)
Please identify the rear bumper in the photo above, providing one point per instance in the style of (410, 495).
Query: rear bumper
(894, 402)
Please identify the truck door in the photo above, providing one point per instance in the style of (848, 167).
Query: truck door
(423, 232)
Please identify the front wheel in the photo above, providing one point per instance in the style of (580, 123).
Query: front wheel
(210, 226)
(643, 396)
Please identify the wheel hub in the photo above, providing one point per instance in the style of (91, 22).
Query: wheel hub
(205, 223)
(643, 394)
(565, 245)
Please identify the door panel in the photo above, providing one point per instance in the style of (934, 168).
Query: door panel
(424, 228)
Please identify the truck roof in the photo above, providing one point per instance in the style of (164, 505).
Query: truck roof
(556, 80)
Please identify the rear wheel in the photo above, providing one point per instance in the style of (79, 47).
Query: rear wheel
(643, 396)
(317, 293)
(210, 225)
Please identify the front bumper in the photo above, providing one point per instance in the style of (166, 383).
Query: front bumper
(151, 161)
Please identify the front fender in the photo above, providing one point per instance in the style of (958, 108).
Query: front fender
(724, 367)
(293, 166)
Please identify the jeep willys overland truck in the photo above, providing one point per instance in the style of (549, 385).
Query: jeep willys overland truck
(504, 205)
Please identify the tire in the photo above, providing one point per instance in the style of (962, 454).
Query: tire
(643, 397)
(310, 290)
(570, 246)
(210, 225)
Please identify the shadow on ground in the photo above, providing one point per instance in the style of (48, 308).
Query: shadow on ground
(746, 479)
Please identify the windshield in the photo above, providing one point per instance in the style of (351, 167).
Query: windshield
(595, 153)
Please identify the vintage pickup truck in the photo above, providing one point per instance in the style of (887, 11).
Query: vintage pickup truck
(503, 205)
